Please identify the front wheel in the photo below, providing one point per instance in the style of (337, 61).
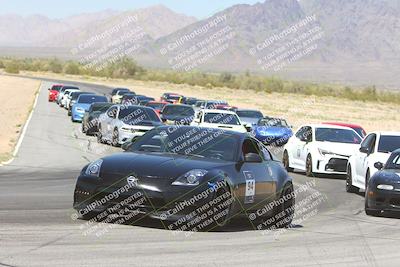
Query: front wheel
(369, 211)
(287, 207)
(115, 138)
(309, 166)
(350, 188)
(286, 162)
(99, 136)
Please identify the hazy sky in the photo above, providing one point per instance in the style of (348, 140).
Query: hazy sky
(55, 8)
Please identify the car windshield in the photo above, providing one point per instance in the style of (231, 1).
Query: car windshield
(360, 131)
(221, 118)
(273, 123)
(88, 99)
(173, 97)
(155, 105)
(215, 143)
(56, 88)
(337, 136)
(69, 88)
(249, 114)
(388, 143)
(75, 95)
(136, 114)
(393, 162)
(178, 110)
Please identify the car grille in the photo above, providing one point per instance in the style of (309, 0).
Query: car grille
(337, 165)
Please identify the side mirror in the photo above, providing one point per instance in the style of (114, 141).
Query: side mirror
(378, 165)
(252, 158)
(126, 146)
(248, 127)
(364, 150)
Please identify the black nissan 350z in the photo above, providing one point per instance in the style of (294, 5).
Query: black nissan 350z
(190, 178)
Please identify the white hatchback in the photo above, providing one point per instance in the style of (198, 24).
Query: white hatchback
(220, 119)
(375, 148)
(319, 148)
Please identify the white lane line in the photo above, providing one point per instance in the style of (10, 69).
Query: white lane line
(24, 129)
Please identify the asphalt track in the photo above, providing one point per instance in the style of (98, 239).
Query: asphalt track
(36, 228)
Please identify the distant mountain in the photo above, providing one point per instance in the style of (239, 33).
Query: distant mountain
(156, 21)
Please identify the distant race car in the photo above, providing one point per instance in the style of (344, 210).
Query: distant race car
(226, 107)
(249, 116)
(117, 97)
(53, 92)
(221, 119)
(62, 91)
(171, 98)
(320, 148)
(74, 97)
(272, 131)
(383, 190)
(189, 101)
(209, 104)
(122, 123)
(167, 175)
(82, 105)
(177, 114)
(376, 147)
(360, 130)
(67, 97)
(157, 106)
(93, 116)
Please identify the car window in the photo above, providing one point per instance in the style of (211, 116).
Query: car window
(251, 146)
(336, 135)
(266, 155)
(388, 143)
(369, 141)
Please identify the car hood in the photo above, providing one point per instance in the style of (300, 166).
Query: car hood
(339, 148)
(82, 105)
(388, 176)
(134, 122)
(166, 167)
(247, 120)
(264, 130)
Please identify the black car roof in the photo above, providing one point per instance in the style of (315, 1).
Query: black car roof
(232, 133)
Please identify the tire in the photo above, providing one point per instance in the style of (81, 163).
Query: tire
(227, 212)
(309, 166)
(285, 161)
(83, 128)
(287, 207)
(369, 211)
(99, 136)
(115, 137)
(69, 112)
(350, 188)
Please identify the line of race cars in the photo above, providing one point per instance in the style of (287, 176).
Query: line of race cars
(183, 154)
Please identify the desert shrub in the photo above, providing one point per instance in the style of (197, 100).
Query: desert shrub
(12, 67)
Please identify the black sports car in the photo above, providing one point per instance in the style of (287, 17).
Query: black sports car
(383, 190)
(190, 178)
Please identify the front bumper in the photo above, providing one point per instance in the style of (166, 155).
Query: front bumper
(77, 116)
(125, 135)
(169, 204)
(52, 97)
(384, 200)
(331, 164)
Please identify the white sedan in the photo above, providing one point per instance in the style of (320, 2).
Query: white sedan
(220, 119)
(122, 123)
(375, 148)
(66, 99)
(320, 148)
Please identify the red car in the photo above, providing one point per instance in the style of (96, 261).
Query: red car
(226, 107)
(360, 130)
(157, 106)
(53, 92)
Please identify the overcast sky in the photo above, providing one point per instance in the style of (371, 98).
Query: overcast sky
(56, 8)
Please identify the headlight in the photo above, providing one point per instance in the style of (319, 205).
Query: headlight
(191, 178)
(324, 152)
(94, 168)
(385, 187)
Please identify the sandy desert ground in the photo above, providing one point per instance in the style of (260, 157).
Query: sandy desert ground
(16, 97)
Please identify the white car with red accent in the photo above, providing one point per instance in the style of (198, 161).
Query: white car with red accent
(320, 149)
(375, 148)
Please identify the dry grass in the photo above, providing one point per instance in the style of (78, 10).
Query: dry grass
(17, 96)
(297, 109)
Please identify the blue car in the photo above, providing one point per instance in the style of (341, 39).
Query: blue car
(82, 105)
(272, 131)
